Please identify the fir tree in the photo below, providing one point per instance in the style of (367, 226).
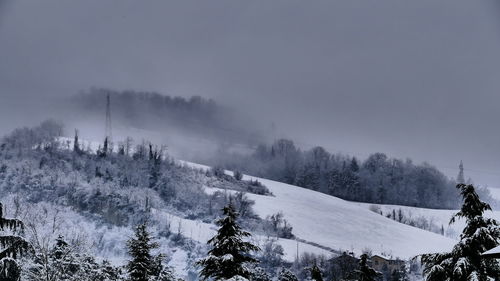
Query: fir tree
(13, 246)
(76, 144)
(365, 272)
(354, 165)
(63, 262)
(259, 274)
(109, 272)
(230, 253)
(286, 275)
(316, 273)
(105, 150)
(399, 275)
(143, 264)
(160, 271)
(480, 234)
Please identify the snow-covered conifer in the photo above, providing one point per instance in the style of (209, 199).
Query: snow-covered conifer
(13, 246)
(365, 272)
(259, 274)
(480, 234)
(143, 264)
(316, 273)
(286, 275)
(230, 254)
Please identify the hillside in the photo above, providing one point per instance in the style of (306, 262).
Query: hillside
(435, 220)
(343, 225)
(105, 192)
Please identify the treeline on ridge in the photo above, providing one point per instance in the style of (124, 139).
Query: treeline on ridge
(378, 179)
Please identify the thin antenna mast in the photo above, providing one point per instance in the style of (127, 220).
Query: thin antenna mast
(109, 134)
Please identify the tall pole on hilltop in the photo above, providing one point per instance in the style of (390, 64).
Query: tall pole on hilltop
(109, 133)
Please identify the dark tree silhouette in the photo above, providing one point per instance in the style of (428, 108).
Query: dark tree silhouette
(365, 272)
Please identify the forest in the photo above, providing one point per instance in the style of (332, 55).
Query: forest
(377, 179)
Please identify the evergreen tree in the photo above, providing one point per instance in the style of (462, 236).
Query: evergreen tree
(399, 275)
(286, 275)
(105, 150)
(316, 273)
(108, 272)
(13, 246)
(143, 265)
(354, 165)
(64, 262)
(229, 254)
(259, 274)
(76, 143)
(480, 234)
(160, 271)
(365, 272)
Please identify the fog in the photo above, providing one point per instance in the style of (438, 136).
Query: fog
(413, 79)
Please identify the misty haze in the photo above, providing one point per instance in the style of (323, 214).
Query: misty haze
(249, 140)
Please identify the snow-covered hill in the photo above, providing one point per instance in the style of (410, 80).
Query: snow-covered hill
(338, 224)
(323, 223)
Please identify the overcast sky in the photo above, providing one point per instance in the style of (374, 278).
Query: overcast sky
(417, 79)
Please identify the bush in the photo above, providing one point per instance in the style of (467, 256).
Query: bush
(218, 172)
(238, 175)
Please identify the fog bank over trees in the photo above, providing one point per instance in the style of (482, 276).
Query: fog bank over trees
(203, 131)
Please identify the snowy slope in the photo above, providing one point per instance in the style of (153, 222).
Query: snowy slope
(343, 225)
(202, 232)
(434, 216)
(495, 192)
(327, 221)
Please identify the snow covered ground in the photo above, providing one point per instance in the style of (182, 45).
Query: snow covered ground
(202, 232)
(339, 224)
(329, 222)
(495, 192)
(437, 217)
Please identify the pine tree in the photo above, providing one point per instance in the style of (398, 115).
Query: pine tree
(13, 246)
(64, 262)
(316, 273)
(365, 272)
(105, 150)
(160, 271)
(259, 274)
(354, 165)
(229, 254)
(286, 275)
(76, 144)
(480, 234)
(143, 264)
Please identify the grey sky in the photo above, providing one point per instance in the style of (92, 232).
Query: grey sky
(409, 78)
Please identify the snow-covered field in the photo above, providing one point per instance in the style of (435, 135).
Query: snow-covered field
(339, 224)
